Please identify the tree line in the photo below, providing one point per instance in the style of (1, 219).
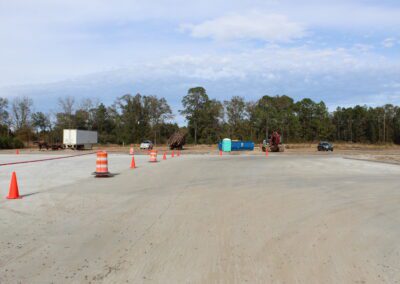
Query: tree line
(133, 118)
(301, 121)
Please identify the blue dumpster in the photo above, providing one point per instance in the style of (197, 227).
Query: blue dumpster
(238, 146)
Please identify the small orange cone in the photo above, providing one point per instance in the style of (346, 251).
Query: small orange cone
(266, 152)
(14, 192)
(133, 164)
(131, 151)
(17, 152)
(165, 156)
(220, 152)
(172, 154)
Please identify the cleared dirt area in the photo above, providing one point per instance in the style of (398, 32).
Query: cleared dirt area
(288, 218)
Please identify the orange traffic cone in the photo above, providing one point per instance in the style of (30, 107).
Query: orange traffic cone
(220, 152)
(165, 156)
(14, 192)
(131, 151)
(133, 164)
(266, 152)
(172, 154)
(17, 152)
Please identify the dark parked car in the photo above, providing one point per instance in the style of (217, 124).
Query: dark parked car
(325, 146)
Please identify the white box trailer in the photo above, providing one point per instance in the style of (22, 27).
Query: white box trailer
(79, 139)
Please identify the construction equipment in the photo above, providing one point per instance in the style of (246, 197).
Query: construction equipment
(177, 140)
(274, 143)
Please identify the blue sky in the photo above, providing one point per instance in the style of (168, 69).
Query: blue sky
(342, 52)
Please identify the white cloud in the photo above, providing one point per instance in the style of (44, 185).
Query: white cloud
(251, 25)
(332, 74)
(389, 42)
(45, 41)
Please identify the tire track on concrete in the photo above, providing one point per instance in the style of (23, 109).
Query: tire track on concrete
(123, 258)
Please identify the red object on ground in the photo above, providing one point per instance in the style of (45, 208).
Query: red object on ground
(165, 156)
(172, 154)
(14, 192)
(17, 152)
(220, 152)
(44, 160)
(275, 139)
(133, 164)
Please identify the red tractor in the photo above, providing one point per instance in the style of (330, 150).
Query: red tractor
(274, 143)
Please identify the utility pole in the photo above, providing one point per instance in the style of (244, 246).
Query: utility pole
(351, 130)
(266, 121)
(384, 126)
(195, 132)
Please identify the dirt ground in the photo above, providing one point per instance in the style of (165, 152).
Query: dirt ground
(388, 153)
(291, 218)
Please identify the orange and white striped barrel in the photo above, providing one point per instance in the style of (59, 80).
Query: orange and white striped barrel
(102, 164)
(153, 156)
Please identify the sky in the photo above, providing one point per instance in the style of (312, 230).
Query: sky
(344, 52)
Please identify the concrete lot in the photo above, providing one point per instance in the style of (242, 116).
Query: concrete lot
(202, 219)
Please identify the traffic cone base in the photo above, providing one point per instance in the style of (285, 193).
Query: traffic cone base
(14, 192)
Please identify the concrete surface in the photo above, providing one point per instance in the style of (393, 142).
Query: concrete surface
(203, 219)
(41, 176)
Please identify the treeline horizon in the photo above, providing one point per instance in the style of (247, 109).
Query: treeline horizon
(134, 118)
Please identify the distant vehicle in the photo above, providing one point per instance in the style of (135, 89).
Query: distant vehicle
(325, 146)
(44, 145)
(79, 139)
(146, 145)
